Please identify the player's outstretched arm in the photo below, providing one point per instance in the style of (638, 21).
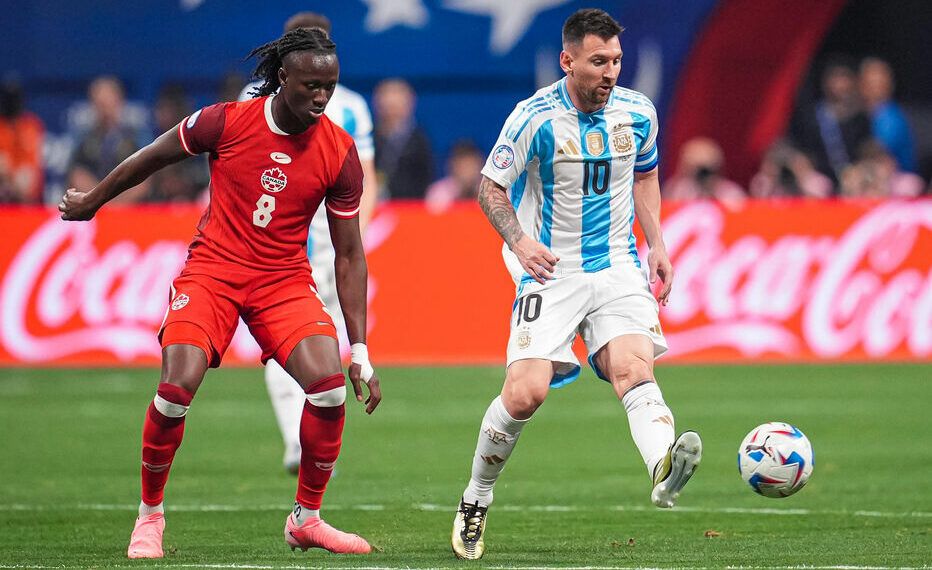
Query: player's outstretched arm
(536, 259)
(351, 273)
(165, 150)
(647, 209)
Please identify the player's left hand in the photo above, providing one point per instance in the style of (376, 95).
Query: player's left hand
(360, 371)
(659, 263)
(375, 392)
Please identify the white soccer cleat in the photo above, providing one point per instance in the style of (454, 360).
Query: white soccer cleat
(675, 469)
(468, 528)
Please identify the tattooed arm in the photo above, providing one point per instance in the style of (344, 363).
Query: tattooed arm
(536, 259)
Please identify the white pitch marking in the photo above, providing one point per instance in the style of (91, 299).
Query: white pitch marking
(304, 567)
(434, 507)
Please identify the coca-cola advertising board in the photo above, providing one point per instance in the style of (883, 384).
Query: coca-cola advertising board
(765, 281)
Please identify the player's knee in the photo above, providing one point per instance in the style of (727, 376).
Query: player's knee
(328, 398)
(629, 371)
(521, 403)
(170, 404)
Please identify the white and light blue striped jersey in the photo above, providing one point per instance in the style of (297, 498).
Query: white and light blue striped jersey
(571, 175)
(348, 110)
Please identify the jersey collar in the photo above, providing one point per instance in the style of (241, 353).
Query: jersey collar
(270, 121)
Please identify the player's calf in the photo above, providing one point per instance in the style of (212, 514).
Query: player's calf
(162, 433)
(321, 438)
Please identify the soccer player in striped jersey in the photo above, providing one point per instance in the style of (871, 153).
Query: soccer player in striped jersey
(348, 110)
(573, 166)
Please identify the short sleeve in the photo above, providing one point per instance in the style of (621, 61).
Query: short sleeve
(343, 196)
(509, 156)
(648, 157)
(247, 93)
(201, 131)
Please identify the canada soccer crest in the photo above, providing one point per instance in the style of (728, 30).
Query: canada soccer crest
(274, 180)
(180, 301)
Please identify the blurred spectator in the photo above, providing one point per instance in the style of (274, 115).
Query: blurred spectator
(21, 134)
(877, 175)
(403, 153)
(699, 174)
(183, 181)
(835, 129)
(109, 141)
(786, 172)
(887, 120)
(230, 86)
(462, 180)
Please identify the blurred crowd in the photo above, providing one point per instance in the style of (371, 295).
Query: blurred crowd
(855, 141)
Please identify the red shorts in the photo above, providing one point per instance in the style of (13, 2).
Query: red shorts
(280, 308)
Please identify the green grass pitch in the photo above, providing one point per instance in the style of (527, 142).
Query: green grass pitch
(575, 493)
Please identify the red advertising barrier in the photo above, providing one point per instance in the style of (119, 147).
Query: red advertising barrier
(784, 281)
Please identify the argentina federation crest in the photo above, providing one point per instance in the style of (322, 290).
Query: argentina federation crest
(622, 141)
(524, 338)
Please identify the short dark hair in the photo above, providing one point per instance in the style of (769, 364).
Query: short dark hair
(590, 21)
(271, 55)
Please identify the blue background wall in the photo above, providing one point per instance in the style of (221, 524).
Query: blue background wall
(467, 83)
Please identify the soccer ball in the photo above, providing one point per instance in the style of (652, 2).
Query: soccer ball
(775, 459)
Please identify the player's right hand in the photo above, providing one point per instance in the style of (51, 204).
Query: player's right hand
(77, 206)
(536, 259)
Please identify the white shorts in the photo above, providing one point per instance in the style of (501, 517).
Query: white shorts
(321, 257)
(600, 306)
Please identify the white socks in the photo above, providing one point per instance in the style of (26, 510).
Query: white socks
(497, 438)
(651, 422)
(288, 402)
(301, 513)
(146, 510)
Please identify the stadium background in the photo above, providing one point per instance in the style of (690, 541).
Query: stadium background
(808, 284)
(734, 71)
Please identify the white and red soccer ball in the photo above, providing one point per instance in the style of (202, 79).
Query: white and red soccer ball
(775, 459)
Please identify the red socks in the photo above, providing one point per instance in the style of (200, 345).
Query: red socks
(321, 436)
(161, 435)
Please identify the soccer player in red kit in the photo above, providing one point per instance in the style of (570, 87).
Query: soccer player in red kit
(273, 160)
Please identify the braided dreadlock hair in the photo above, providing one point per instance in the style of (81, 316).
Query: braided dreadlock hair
(271, 55)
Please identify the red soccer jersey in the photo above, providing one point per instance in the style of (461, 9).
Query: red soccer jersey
(266, 185)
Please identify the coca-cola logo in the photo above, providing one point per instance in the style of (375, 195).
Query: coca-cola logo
(63, 295)
(845, 293)
(59, 278)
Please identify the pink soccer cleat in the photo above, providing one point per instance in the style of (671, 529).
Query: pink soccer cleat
(315, 533)
(146, 541)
